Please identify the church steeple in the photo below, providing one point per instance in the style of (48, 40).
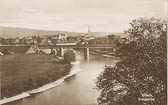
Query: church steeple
(89, 30)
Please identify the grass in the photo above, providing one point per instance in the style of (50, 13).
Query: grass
(23, 72)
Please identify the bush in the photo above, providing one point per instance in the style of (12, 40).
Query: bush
(69, 56)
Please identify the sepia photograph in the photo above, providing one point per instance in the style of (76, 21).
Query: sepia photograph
(83, 52)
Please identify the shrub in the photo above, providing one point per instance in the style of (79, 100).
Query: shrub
(69, 56)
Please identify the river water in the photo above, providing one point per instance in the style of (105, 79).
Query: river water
(76, 90)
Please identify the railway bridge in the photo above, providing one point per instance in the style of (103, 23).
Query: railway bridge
(61, 47)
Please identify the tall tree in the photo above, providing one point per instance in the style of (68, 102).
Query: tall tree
(142, 69)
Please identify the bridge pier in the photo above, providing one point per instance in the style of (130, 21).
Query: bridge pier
(86, 53)
(51, 50)
(61, 52)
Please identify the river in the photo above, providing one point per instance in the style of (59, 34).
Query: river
(76, 90)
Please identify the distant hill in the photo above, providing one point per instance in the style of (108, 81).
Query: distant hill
(12, 32)
(22, 32)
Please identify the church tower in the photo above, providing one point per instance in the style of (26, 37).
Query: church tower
(89, 31)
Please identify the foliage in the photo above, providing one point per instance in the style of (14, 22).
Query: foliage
(20, 74)
(142, 69)
(69, 56)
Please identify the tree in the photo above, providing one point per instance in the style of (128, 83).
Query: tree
(39, 40)
(142, 69)
(69, 56)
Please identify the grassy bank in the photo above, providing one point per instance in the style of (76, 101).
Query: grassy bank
(23, 72)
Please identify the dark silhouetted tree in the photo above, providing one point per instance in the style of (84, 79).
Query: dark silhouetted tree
(142, 69)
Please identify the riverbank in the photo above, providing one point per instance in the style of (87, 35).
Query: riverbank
(25, 72)
(43, 88)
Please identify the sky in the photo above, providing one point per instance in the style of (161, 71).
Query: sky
(77, 15)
